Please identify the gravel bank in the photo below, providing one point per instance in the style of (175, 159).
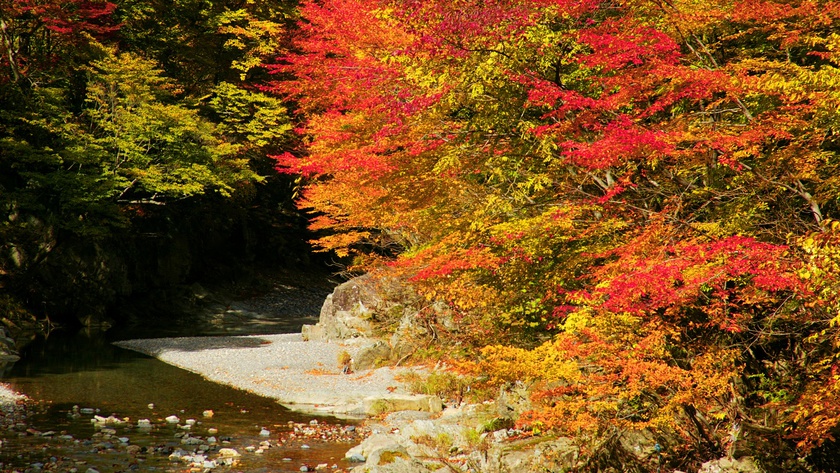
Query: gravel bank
(12, 409)
(9, 397)
(302, 375)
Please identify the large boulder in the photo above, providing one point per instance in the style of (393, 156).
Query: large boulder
(385, 453)
(378, 447)
(372, 355)
(348, 312)
(377, 308)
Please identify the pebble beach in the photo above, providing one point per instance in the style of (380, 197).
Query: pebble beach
(9, 397)
(301, 375)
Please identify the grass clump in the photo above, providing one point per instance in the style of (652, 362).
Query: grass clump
(445, 385)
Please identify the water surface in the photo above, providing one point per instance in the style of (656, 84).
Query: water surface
(86, 371)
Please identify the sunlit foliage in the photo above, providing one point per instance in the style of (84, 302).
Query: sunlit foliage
(627, 186)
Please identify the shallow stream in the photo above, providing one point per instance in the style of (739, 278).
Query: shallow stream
(75, 377)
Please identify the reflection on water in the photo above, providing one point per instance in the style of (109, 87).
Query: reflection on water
(87, 371)
(79, 369)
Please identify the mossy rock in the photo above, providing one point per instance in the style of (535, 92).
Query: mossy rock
(371, 356)
(394, 403)
(391, 456)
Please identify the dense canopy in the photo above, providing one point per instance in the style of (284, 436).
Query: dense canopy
(636, 197)
(630, 206)
(124, 125)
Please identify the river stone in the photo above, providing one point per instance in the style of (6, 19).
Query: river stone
(187, 440)
(375, 441)
(378, 449)
(312, 333)
(369, 356)
(178, 454)
(228, 452)
(354, 457)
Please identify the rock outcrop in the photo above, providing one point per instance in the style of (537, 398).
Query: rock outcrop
(417, 442)
(346, 313)
(380, 313)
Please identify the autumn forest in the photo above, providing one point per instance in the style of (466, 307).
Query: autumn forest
(631, 206)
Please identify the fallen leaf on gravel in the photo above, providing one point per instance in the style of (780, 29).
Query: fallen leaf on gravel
(320, 372)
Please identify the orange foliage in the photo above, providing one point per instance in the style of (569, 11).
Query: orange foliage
(622, 192)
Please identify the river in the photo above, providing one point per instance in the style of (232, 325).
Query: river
(76, 376)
